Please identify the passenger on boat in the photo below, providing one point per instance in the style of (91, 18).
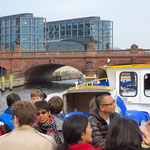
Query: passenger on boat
(77, 134)
(92, 103)
(39, 88)
(123, 134)
(4, 128)
(6, 117)
(147, 82)
(56, 106)
(101, 117)
(36, 95)
(24, 137)
(45, 122)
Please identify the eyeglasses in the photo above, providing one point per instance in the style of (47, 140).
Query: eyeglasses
(43, 113)
(109, 104)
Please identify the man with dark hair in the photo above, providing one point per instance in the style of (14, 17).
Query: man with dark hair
(24, 137)
(45, 122)
(56, 106)
(6, 117)
(101, 117)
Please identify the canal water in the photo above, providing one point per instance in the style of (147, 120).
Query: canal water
(25, 91)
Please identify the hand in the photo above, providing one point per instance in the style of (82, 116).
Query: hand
(146, 137)
(148, 126)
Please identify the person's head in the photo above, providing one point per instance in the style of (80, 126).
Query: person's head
(55, 105)
(39, 88)
(77, 129)
(23, 113)
(92, 103)
(36, 95)
(124, 134)
(12, 98)
(43, 112)
(105, 102)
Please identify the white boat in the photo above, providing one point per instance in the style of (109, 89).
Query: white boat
(129, 82)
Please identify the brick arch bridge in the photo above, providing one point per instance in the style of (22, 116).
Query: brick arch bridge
(36, 66)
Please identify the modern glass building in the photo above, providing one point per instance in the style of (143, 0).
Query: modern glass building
(23, 29)
(75, 34)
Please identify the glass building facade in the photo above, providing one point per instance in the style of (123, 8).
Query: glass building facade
(24, 30)
(75, 34)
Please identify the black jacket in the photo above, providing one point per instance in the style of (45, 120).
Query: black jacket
(99, 127)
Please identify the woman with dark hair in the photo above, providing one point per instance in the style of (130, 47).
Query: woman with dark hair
(77, 134)
(123, 134)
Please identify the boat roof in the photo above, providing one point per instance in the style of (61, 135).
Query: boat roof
(127, 66)
(88, 89)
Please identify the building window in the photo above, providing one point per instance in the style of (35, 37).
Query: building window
(25, 21)
(3, 23)
(87, 25)
(68, 26)
(107, 25)
(74, 33)
(39, 38)
(25, 37)
(80, 25)
(39, 21)
(68, 34)
(25, 29)
(94, 32)
(80, 33)
(128, 84)
(18, 21)
(62, 34)
(101, 25)
(26, 45)
(56, 28)
(40, 30)
(7, 23)
(62, 27)
(74, 26)
(95, 24)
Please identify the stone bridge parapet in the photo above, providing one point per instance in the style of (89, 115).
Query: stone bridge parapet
(88, 61)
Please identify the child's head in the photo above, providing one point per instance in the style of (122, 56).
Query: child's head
(55, 104)
(36, 95)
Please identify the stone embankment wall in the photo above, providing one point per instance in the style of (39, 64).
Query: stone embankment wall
(16, 82)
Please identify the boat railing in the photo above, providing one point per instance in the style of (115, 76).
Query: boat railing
(90, 83)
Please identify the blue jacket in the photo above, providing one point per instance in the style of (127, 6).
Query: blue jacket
(6, 117)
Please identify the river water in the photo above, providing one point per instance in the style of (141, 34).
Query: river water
(25, 91)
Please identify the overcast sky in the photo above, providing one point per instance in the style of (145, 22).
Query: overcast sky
(131, 18)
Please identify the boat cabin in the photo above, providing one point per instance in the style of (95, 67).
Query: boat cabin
(132, 84)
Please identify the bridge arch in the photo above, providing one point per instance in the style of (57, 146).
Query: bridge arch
(41, 73)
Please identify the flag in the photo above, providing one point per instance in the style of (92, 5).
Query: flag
(107, 60)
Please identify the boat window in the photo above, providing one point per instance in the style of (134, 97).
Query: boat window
(147, 84)
(128, 84)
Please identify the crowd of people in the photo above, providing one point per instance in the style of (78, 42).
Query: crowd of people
(40, 125)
